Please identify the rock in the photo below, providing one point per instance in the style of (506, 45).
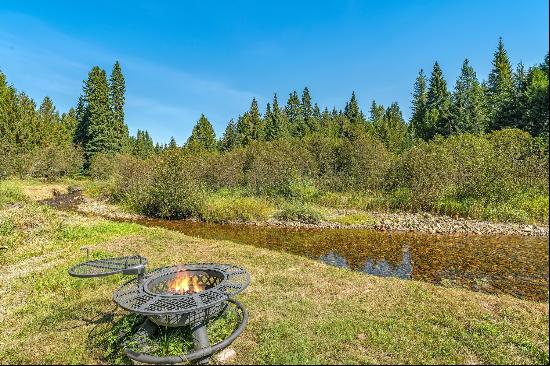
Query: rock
(226, 355)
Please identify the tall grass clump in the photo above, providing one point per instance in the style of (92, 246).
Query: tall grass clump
(300, 212)
(226, 206)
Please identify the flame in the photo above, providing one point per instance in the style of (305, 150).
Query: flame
(184, 284)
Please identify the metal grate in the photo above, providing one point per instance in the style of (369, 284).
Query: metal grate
(106, 267)
(148, 295)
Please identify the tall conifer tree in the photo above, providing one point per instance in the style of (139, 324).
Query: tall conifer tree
(500, 90)
(419, 107)
(468, 109)
(438, 105)
(203, 136)
(116, 99)
(102, 135)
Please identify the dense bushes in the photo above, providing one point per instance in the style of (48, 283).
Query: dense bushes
(502, 175)
(51, 162)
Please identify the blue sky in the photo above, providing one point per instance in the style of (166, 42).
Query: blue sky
(184, 58)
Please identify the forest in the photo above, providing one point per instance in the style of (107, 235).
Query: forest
(477, 149)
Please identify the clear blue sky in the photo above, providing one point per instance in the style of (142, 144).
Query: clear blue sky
(184, 58)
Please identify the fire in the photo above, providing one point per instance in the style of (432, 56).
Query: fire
(184, 284)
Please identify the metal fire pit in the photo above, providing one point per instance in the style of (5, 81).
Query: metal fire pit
(150, 294)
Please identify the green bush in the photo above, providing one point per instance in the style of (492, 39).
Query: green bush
(300, 212)
(55, 162)
(225, 208)
(301, 189)
(102, 166)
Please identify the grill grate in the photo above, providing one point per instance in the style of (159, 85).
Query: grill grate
(106, 267)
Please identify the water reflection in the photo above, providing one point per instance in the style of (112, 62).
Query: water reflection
(334, 259)
(384, 269)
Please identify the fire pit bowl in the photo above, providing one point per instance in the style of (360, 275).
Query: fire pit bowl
(186, 294)
(175, 296)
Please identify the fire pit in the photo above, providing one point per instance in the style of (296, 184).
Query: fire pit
(176, 296)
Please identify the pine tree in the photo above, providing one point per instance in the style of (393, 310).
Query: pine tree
(69, 123)
(229, 139)
(8, 115)
(536, 101)
(116, 99)
(82, 117)
(305, 104)
(293, 110)
(143, 145)
(438, 104)
(255, 121)
(518, 109)
(390, 126)
(352, 111)
(48, 128)
(419, 107)
(102, 135)
(500, 90)
(376, 113)
(172, 144)
(203, 136)
(468, 110)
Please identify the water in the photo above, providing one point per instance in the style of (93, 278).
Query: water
(497, 264)
(515, 265)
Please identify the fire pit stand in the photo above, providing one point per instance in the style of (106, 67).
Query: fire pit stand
(175, 296)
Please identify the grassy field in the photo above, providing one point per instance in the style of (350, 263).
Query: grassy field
(301, 311)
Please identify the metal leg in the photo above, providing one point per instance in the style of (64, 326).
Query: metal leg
(200, 340)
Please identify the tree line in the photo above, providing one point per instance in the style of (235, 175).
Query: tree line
(509, 98)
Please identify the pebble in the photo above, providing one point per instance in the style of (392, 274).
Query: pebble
(226, 355)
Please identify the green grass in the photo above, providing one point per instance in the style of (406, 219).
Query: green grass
(300, 212)
(227, 206)
(301, 311)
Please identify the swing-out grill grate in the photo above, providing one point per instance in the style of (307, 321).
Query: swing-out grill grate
(107, 266)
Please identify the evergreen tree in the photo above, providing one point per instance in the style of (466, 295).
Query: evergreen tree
(116, 99)
(390, 127)
(419, 107)
(306, 105)
(229, 139)
(172, 144)
(536, 102)
(143, 145)
(102, 135)
(468, 110)
(203, 136)
(500, 90)
(376, 113)
(255, 121)
(82, 117)
(518, 108)
(69, 123)
(293, 110)
(353, 112)
(8, 115)
(278, 124)
(438, 104)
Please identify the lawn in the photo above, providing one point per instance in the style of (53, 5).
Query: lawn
(301, 311)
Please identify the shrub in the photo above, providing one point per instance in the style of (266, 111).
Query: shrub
(102, 166)
(300, 212)
(55, 162)
(301, 189)
(225, 208)
(161, 187)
